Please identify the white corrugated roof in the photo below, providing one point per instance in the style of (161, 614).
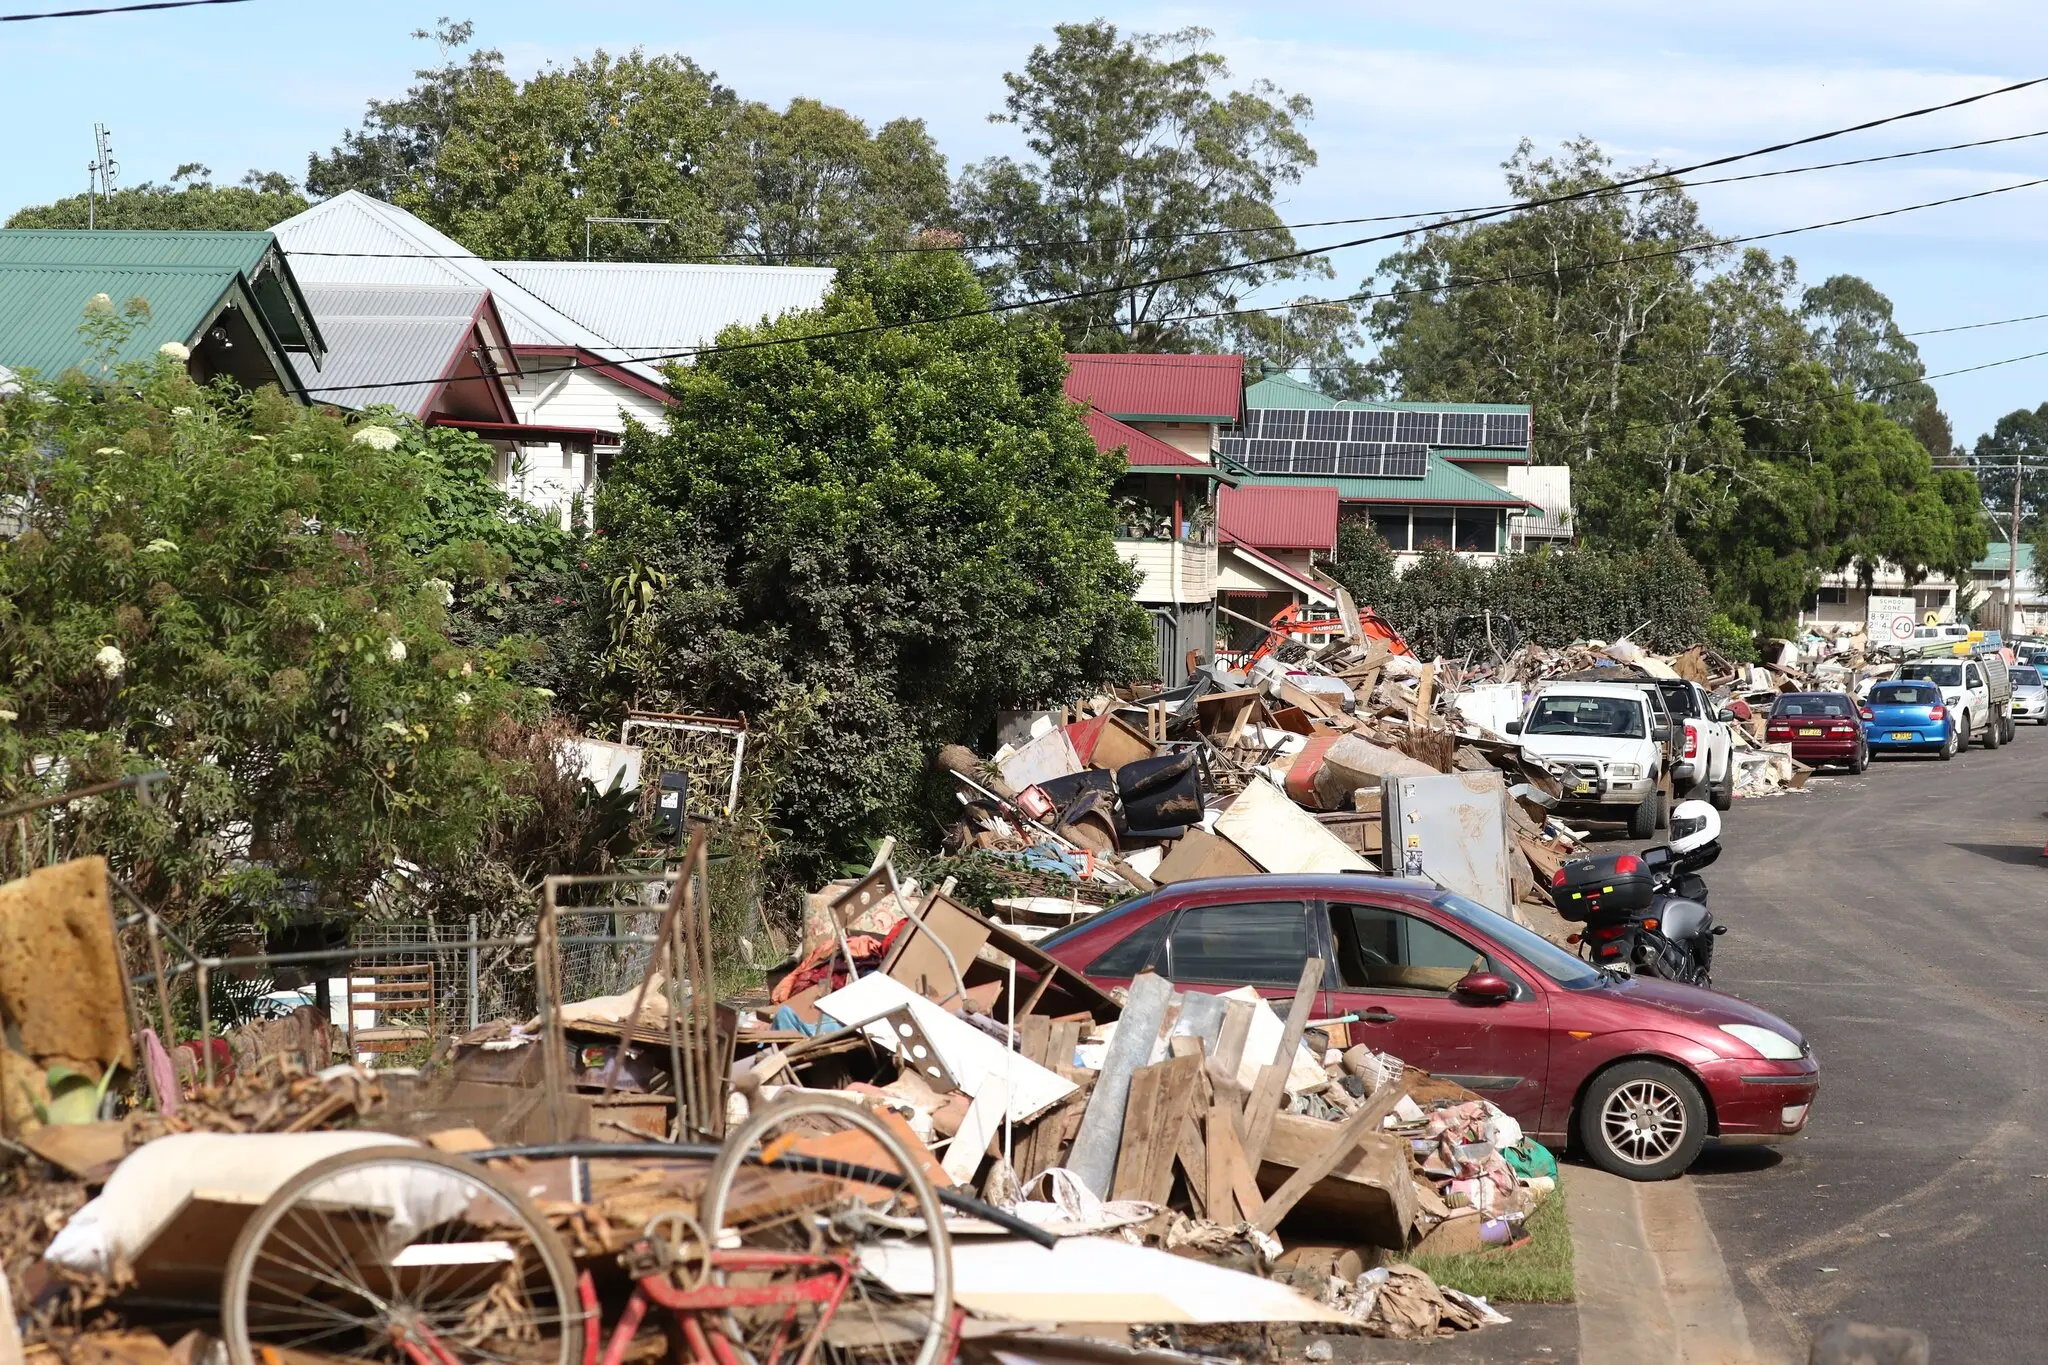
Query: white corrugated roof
(644, 308)
(619, 312)
(380, 333)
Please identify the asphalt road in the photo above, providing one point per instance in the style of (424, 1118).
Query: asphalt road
(1901, 920)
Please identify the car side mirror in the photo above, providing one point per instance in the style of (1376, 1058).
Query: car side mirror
(1662, 734)
(1485, 988)
(1725, 716)
(1514, 727)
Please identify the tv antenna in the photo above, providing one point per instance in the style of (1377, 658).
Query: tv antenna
(100, 173)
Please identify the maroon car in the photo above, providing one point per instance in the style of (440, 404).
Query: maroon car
(1638, 1072)
(1821, 727)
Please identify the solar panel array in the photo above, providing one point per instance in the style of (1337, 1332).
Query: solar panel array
(1364, 442)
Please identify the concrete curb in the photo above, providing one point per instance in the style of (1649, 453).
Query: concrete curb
(1653, 1289)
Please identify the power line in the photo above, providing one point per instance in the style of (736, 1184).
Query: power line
(1973, 326)
(114, 9)
(973, 248)
(1211, 272)
(1712, 244)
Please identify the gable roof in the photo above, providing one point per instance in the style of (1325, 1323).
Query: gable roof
(1279, 517)
(1159, 388)
(609, 315)
(400, 334)
(1143, 452)
(1289, 577)
(187, 277)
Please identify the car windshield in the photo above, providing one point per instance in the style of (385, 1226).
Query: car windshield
(1811, 704)
(1904, 694)
(2025, 677)
(1530, 946)
(1941, 675)
(1604, 717)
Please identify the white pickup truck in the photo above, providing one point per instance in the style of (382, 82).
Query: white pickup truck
(1976, 689)
(1607, 746)
(1709, 742)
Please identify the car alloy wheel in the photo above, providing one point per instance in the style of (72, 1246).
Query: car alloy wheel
(1643, 1120)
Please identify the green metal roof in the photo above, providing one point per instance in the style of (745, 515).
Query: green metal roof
(255, 256)
(41, 307)
(1997, 560)
(1280, 391)
(1444, 484)
(1483, 454)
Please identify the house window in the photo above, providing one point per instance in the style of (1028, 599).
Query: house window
(1930, 599)
(1478, 532)
(1831, 597)
(1434, 528)
(1393, 528)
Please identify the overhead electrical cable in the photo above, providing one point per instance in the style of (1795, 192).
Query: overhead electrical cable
(114, 9)
(1211, 272)
(1973, 326)
(969, 248)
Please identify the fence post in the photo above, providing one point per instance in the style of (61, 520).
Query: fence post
(474, 1018)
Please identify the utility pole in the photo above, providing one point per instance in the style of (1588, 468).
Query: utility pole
(2012, 559)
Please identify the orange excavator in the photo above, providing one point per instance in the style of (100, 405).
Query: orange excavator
(1293, 622)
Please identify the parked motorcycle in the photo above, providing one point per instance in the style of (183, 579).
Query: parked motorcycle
(1646, 912)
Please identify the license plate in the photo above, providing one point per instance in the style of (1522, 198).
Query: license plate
(1583, 789)
(1809, 732)
(1904, 734)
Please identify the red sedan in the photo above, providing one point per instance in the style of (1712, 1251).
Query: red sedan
(1638, 1072)
(1821, 727)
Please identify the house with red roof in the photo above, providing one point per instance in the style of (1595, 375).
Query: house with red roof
(1164, 413)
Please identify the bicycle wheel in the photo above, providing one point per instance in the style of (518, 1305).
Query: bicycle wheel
(871, 1323)
(402, 1255)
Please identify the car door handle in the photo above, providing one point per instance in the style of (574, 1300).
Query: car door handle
(1377, 1016)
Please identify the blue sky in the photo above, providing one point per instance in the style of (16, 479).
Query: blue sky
(1416, 105)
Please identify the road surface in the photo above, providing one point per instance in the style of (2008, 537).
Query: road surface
(1901, 920)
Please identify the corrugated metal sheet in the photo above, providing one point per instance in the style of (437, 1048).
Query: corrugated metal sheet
(1159, 388)
(377, 334)
(1141, 451)
(653, 309)
(616, 312)
(241, 251)
(41, 307)
(1274, 517)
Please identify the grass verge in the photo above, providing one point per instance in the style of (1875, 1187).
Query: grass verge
(1537, 1271)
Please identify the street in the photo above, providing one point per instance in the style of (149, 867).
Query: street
(1896, 919)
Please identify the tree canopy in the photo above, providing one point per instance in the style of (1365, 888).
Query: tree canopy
(513, 169)
(1688, 385)
(191, 201)
(1143, 164)
(868, 543)
(254, 598)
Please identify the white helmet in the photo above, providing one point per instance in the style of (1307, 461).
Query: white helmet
(1694, 825)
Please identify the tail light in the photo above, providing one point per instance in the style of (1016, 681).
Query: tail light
(1865, 713)
(1627, 864)
(1557, 877)
(1692, 740)
(1937, 713)
(1841, 728)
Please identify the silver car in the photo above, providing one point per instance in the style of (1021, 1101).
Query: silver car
(2029, 696)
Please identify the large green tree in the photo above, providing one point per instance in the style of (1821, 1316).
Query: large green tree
(1856, 337)
(1681, 382)
(191, 201)
(513, 168)
(868, 543)
(1143, 163)
(254, 598)
(2016, 445)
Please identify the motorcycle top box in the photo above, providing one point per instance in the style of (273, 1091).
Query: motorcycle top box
(1599, 887)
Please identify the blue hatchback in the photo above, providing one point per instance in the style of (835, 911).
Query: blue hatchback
(1907, 717)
